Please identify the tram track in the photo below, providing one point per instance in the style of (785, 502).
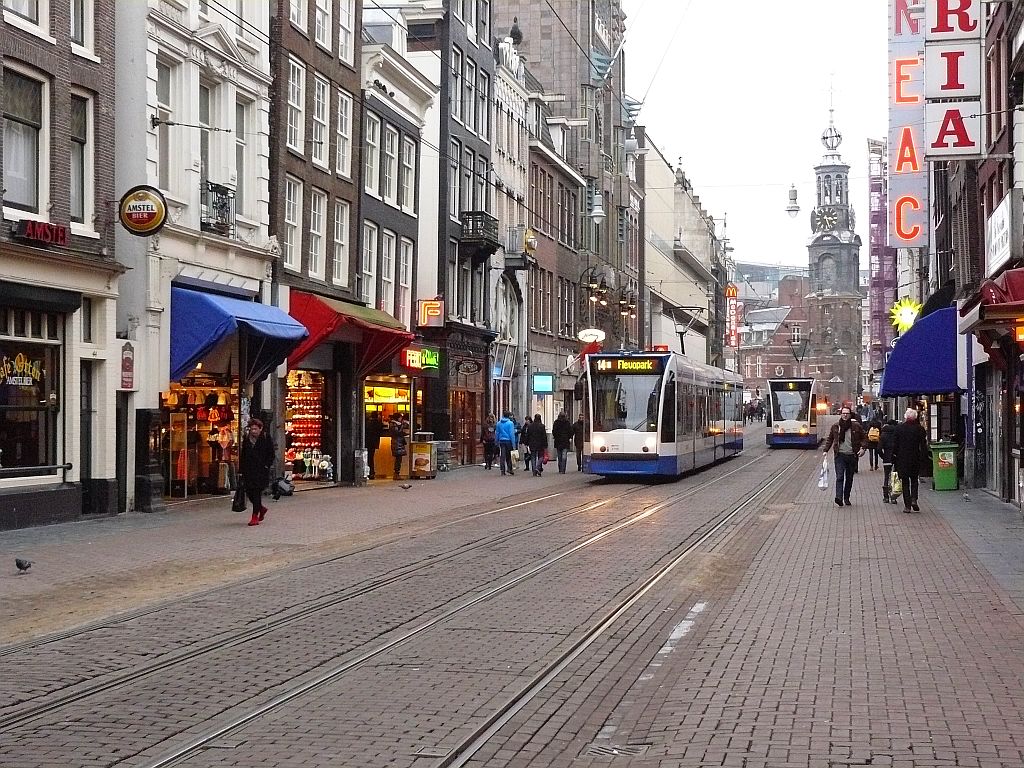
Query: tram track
(721, 520)
(27, 712)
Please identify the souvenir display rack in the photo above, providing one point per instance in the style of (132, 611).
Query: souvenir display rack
(304, 410)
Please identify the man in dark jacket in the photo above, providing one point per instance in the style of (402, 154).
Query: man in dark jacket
(909, 446)
(374, 432)
(579, 430)
(254, 462)
(847, 441)
(886, 442)
(561, 432)
(537, 440)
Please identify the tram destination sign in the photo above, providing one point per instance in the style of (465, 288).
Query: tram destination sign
(626, 365)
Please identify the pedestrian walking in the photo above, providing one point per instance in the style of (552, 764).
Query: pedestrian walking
(505, 435)
(537, 440)
(399, 445)
(524, 445)
(254, 461)
(886, 443)
(579, 430)
(846, 440)
(374, 432)
(910, 445)
(874, 434)
(561, 433)
(489, 440)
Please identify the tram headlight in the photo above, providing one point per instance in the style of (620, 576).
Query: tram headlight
(803, 430)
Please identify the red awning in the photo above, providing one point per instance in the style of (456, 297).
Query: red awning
(382, 335)
(1004, 294)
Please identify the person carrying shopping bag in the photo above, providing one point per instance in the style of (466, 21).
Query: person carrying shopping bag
(847, 441)
(561, 433)
(537, 440)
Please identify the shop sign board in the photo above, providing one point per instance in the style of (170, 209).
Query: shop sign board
(418, 360)
(127, 366)
(1001, 244)
(908, 177)
(732, 316)
(952, 72)
(143, 210)
(40, 232)
(20, 370)
(430, 313)
(543, 383)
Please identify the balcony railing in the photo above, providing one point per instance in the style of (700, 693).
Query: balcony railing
(480, 232)
(217, 209)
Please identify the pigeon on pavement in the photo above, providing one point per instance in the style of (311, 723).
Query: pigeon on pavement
(405, 486)
(23, 565)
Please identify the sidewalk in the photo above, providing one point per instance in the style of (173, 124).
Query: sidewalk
(92, 568)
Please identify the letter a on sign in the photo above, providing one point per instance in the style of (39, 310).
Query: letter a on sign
(951, 132)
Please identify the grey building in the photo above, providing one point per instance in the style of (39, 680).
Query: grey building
(61, 386)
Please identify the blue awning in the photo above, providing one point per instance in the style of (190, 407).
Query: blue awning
(923, 362)
(201, 321)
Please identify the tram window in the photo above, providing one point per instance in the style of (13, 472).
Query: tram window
(668, 411)
(627, 401)
(688, 401)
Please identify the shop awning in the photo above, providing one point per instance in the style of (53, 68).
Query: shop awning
(923, 362)
(201, 321)
(382, 334)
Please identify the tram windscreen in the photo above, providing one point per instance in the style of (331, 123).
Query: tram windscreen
(625, 401)
(791, 400)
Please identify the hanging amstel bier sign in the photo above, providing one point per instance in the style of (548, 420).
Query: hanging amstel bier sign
(143, 210)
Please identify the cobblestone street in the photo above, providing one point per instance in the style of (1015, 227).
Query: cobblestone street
(384, 626)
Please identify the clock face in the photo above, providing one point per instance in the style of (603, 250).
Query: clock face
(825, 218)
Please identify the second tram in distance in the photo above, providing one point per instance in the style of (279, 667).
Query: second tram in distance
(659, 414)
(793, 413)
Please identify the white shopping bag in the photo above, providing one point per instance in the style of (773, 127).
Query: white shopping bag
(823, 475)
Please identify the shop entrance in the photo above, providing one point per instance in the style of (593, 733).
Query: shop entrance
(466, 421)
(386, 399)
(311, 435)
(85, 438)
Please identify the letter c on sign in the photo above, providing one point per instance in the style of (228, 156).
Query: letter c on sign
(902, 232)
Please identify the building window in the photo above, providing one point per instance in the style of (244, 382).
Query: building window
(484, 22)
(82, 23)
(344, 151)
(81, 159)
(339, 261)
(455, 179)
(368, 265)
(403, 302)
(466, 204)
(483, 112)
(452, 279)
(165, 114)
(478, 307)
(468, 97)
(371, 166)
(25, 142)
(389, 181)
(407, 183)
(455, 84)
(205, 97)
(346, 16)
(387, 272)
(465, 288)
(317, 232)
(298, 12)
(480, 200)
(760, 367)
(321, 144)
(29, 426)
(795, 334)
(296, 104)
(322, 29)
(87, 319)
(292, 246)
(27, 9)
(241, 145)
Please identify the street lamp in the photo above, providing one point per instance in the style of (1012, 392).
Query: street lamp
(793, 208)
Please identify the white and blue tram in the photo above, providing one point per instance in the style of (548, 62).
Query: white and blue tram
(659, 414)
(793, 411)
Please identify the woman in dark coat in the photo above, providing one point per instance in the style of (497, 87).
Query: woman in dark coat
(399, 444)
(910, 444)
(537, 439)
(254, 462)
(561, 433)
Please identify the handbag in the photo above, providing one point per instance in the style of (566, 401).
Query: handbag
(544, 457)
(823, 475)
(896, 487)
(238, 502)
(515, 455)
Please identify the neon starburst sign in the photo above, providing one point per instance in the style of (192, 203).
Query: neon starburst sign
(904, 312)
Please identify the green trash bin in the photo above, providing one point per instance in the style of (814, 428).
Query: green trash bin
(944, 466)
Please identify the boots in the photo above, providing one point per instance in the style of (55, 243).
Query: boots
(255, 517)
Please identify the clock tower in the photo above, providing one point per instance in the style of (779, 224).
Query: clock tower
(834, 304)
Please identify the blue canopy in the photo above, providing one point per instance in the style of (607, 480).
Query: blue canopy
(923, 362)
(200, 321)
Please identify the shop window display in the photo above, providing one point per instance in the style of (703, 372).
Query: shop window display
(29, 405)
(199, 435)
(309, 426)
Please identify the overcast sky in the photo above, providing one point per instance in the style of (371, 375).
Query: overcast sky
(743, 96)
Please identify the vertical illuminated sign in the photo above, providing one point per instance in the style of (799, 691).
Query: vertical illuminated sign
(908, 175)
(952, 72)
(732, 316)
(430, 313)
